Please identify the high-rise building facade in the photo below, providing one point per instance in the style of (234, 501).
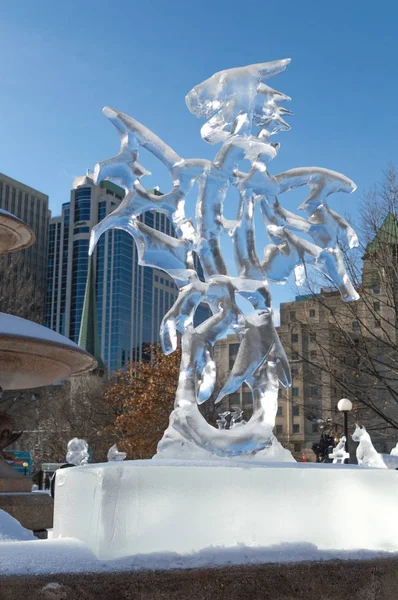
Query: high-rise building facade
(130, 300)
(31, 206)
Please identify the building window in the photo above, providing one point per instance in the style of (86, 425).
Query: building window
(279, 411)
(82, 204)
(376, 306)
(292, 315)
(295, 338)
(247, 398)
(376, 285)
(297, 447)
(296, 410)
(312, 337)
(280, 392)
(234, 399)
(295, 392)
(315, 428)
(314, 391)
(355, 325)
(295, 356)
(233, 351)
(312, 313)
(296, 428)
(377, 323)
(279, 429)
(313, 354)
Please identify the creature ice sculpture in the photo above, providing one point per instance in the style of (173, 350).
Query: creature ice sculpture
(394, 451)
(339, 454)
(241, 113)
(367, 454)
(77, 452)
(114, 455)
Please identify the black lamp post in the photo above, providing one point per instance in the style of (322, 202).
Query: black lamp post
(345, 406)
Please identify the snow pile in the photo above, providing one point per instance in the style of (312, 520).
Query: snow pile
(11, 530)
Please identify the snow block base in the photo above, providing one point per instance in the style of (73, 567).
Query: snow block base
(142, 507)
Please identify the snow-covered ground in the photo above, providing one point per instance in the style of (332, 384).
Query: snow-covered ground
(71, 556)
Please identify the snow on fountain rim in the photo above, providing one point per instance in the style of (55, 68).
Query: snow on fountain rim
(6, 213)
(22, 328)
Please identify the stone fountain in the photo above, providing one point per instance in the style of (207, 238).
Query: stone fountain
(30, 356)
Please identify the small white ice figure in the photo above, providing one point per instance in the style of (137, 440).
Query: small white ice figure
(394, 451)
(114, 454)
(339, 454)
(222, 421)
(77, 453)
(367, 454)
(237, 418)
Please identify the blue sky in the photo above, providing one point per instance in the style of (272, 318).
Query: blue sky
(62, 62)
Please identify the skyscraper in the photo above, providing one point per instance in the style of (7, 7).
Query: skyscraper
(31, 206)
(129, 300)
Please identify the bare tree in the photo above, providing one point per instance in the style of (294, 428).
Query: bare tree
(52, 415)
(19, 293)
(356, 342)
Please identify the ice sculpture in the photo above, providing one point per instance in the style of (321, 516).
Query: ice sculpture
(339, 454)
(241, 113)
(77, 453)
(394, 451)
(367, 455)
(115, 455)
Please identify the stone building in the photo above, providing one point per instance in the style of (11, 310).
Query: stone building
(337, 350)
(31, 206)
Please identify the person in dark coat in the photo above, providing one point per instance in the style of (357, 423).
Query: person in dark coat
(52, 487)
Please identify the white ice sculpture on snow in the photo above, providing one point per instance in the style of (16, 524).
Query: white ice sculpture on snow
(394, 451)
(339, 453)
(367, 455)
(241, 113)
(77, 453)
(115, 455)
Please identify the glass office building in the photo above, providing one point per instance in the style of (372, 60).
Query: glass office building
(129, 300)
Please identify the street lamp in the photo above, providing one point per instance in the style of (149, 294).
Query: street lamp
(25, 466)
(344, 405)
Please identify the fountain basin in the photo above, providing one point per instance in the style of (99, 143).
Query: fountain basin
(33, 356)
(14, 233)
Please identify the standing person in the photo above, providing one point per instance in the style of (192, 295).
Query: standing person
(76, 456)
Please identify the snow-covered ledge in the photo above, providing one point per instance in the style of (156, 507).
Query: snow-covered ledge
(140, 507)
